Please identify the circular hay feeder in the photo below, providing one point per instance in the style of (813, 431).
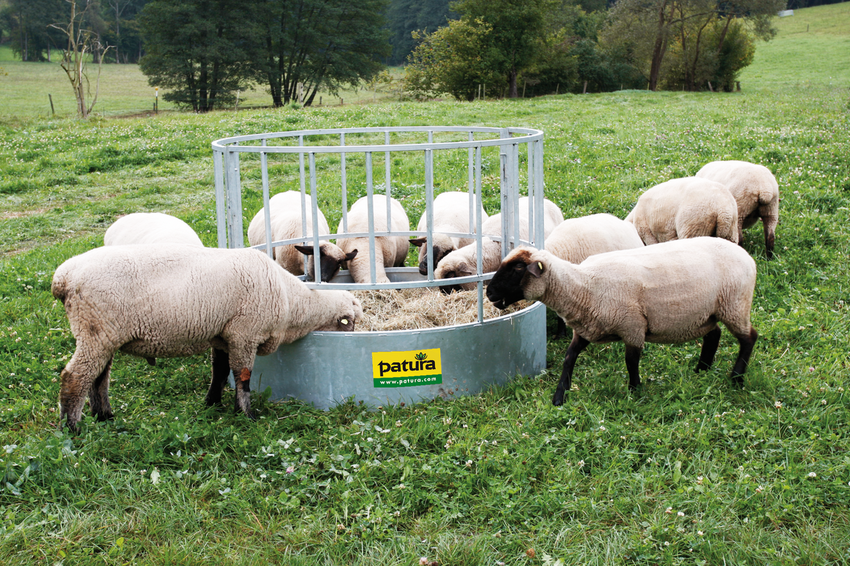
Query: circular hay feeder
(338, 166)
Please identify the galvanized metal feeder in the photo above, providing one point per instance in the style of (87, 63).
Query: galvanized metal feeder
(388, 368)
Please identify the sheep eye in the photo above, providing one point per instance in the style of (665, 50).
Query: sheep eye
(519, 267)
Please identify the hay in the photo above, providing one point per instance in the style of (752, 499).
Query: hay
(421, 308)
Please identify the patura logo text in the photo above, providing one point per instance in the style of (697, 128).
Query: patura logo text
(406, 369)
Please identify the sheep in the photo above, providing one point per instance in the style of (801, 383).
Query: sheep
(173, 300)
(685, 208)
(390, 251)
(285, 219)
(667, 293)
(450, 214)
(755, 190)
(576, 239)
(463, 262)
(150, 228)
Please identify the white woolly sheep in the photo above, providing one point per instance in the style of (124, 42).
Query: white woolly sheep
(174, 300)
(666, 293)
(150, 228)
(285, 218)
(687, 207)
(576, 239)
(390, 251)
(463, 262)
(450, 214)
(755, 190)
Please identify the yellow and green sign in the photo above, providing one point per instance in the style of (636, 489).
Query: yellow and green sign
(407, 369)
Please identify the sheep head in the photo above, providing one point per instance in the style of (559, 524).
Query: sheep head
(331, 257)
(506, 287)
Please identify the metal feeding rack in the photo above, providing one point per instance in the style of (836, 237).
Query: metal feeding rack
(339, 165)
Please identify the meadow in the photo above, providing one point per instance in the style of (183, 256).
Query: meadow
(687, 470)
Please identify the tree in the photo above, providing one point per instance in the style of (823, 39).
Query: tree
(646, 29)
(452, 60)
(408, 16)
(82, 42)
(200, 50)
(319, 44)
(515, 35)
(29, 26)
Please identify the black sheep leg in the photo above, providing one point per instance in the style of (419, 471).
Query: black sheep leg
(633, 354)
(220, 371)
(710, 342)
(575, 348)
(747, 342)
(99, 395)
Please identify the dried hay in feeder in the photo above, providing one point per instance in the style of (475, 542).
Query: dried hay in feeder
(423, 307)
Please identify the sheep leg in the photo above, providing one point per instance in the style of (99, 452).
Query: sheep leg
(747, 342)
(220, 370)
(769, 223)
(76, 384)
(243, 393)
(99, 395)
(573, 350)
(633, 354)
(709, 348)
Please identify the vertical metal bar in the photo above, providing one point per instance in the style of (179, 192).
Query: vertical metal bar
(236, 239)
(317, 269)
(371, 212)
(264, 166)
(387, 183)
(514, 157)
(429, 211)
(302, 176)
(473, 210)
(344, 187)
(539, 238)
(478, 235)
(220, 198)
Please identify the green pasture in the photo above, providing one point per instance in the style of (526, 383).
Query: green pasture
(688, 470)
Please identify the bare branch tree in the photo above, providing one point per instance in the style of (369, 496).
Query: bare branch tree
(81, 43)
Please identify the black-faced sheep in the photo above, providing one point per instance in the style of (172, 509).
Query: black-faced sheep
(285, 218)
(172, 300)
(666, 293)
(755, 190)
(685, 208)
(150, 228)
(450, 215)
(463, 262)
(390, 251)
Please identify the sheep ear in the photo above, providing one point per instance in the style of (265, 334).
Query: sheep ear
(306, 250)
(350, 255)
(463, 270)
(418, 242)
(536, 268)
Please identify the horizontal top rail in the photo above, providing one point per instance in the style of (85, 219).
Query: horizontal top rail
(506, 136)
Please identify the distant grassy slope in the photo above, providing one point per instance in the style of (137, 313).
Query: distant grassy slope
(797, 54)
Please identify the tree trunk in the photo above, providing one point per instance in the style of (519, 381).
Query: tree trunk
(513, 91)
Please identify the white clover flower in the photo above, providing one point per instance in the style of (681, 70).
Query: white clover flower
(681, 513)
(812, 475)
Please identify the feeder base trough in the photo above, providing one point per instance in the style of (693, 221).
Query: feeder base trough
(388, 368)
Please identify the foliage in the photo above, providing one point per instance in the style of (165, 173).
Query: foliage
(711, 63)
(513, 40)
(648, 30)
(453, 60)
(28, 24)
(407, 16)
(196, 50)
(317, 44)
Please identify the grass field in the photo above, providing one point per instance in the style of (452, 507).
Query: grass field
(687, 470)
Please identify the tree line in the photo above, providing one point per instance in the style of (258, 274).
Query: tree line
(203, 52)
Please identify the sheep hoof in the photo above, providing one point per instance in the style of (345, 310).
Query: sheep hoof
(102, 417)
